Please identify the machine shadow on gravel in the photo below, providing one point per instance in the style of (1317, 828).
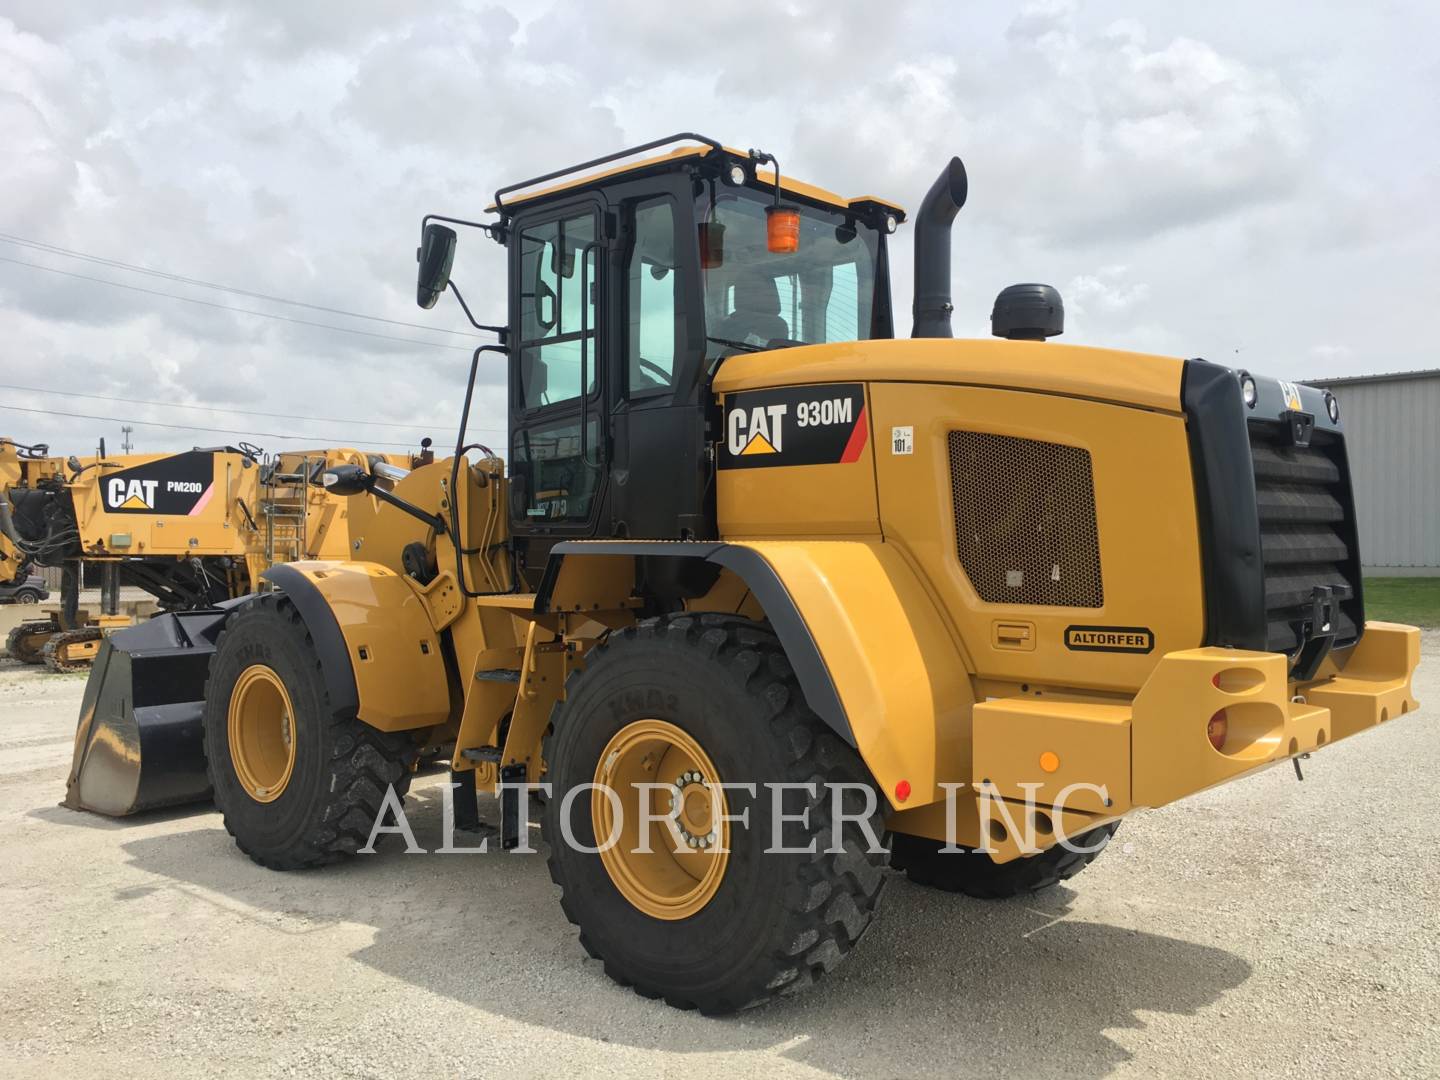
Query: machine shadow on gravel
(1005, 987)
(60, 814)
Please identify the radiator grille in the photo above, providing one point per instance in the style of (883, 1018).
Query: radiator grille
(1306, 532)
(1025, 520)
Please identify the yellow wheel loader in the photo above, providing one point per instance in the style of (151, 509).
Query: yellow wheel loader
(192, 529)
(767, 598)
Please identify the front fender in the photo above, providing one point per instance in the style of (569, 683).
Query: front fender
(378, 652)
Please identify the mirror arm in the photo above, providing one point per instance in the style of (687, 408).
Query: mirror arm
(495, 231)
(498, 331)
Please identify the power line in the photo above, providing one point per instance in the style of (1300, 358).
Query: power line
(56, 249)
(228, 307)
(214, 408)
(325, 439)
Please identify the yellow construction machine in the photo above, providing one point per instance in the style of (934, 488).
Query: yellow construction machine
(22, 465)
(769, 598)
(192, 529)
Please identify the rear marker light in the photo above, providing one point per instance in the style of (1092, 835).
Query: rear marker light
(1050, 761)
(1217, 730)
(902, 791)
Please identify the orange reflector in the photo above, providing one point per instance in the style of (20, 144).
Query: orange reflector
(1049, 761)
(902, 791)
(782, 229)
(1218, 730)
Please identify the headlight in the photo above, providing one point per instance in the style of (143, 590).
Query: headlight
(1332, 406)
(1248, 391)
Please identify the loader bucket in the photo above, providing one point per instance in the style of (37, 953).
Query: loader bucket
(138, 745)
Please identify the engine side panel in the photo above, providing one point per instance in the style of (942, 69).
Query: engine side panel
(1142, 599)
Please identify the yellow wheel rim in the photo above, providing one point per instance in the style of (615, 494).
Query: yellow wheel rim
(667, 874)
(261, 726)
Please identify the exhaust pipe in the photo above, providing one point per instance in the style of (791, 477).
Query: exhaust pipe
(932, 251)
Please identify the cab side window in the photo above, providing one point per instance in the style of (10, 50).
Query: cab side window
(558, 260)
(652, 285)
(554, 459)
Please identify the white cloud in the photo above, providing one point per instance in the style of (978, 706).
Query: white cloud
(1196, 181)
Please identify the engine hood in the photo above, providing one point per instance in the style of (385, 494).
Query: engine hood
(1125, 378)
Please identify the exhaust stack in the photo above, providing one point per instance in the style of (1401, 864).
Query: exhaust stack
(932, 251)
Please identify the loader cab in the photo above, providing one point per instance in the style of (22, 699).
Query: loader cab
(627, 291)
(607, 417)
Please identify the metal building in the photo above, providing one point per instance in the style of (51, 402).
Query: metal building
(1392, 430)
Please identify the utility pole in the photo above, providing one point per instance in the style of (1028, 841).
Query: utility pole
(126, 445)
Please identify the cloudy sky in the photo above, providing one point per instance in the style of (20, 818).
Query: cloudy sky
(1253, 183)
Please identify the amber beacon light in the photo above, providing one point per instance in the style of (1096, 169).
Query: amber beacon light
(782, 229)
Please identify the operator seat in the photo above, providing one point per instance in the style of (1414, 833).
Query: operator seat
(756, 319)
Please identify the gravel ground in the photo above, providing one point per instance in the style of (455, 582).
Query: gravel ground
(1267, 927)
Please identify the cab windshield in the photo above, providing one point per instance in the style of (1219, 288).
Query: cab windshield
(755, 299)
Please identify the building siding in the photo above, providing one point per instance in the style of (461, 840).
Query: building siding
(1392, 428)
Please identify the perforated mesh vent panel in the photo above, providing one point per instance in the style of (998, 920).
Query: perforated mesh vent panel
(1025, 520)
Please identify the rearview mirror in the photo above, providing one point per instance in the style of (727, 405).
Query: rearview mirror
(436, 254)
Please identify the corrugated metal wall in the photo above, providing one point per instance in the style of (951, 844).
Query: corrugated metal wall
(1393, 434)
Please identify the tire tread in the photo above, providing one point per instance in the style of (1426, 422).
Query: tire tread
(976, 875)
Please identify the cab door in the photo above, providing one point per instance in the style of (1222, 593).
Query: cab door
(558, 453)
(662, 478)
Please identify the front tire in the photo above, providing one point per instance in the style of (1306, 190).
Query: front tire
(298, 785)
(712, 697)
(27, 596)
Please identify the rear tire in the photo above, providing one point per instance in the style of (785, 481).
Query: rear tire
(976, 874)
(27, 596)
(327, 793)
(775, 922)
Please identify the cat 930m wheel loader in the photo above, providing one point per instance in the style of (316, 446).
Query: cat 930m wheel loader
(769, 597)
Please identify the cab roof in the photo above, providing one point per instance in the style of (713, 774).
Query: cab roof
(765, 177)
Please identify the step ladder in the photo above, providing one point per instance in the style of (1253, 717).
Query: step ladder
(284, 505)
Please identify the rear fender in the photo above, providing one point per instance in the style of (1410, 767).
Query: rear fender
(377, 648)
(873, 655)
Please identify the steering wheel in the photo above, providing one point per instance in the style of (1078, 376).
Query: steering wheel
(250, 450)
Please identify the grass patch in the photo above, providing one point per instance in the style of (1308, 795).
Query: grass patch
(1413, 600)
